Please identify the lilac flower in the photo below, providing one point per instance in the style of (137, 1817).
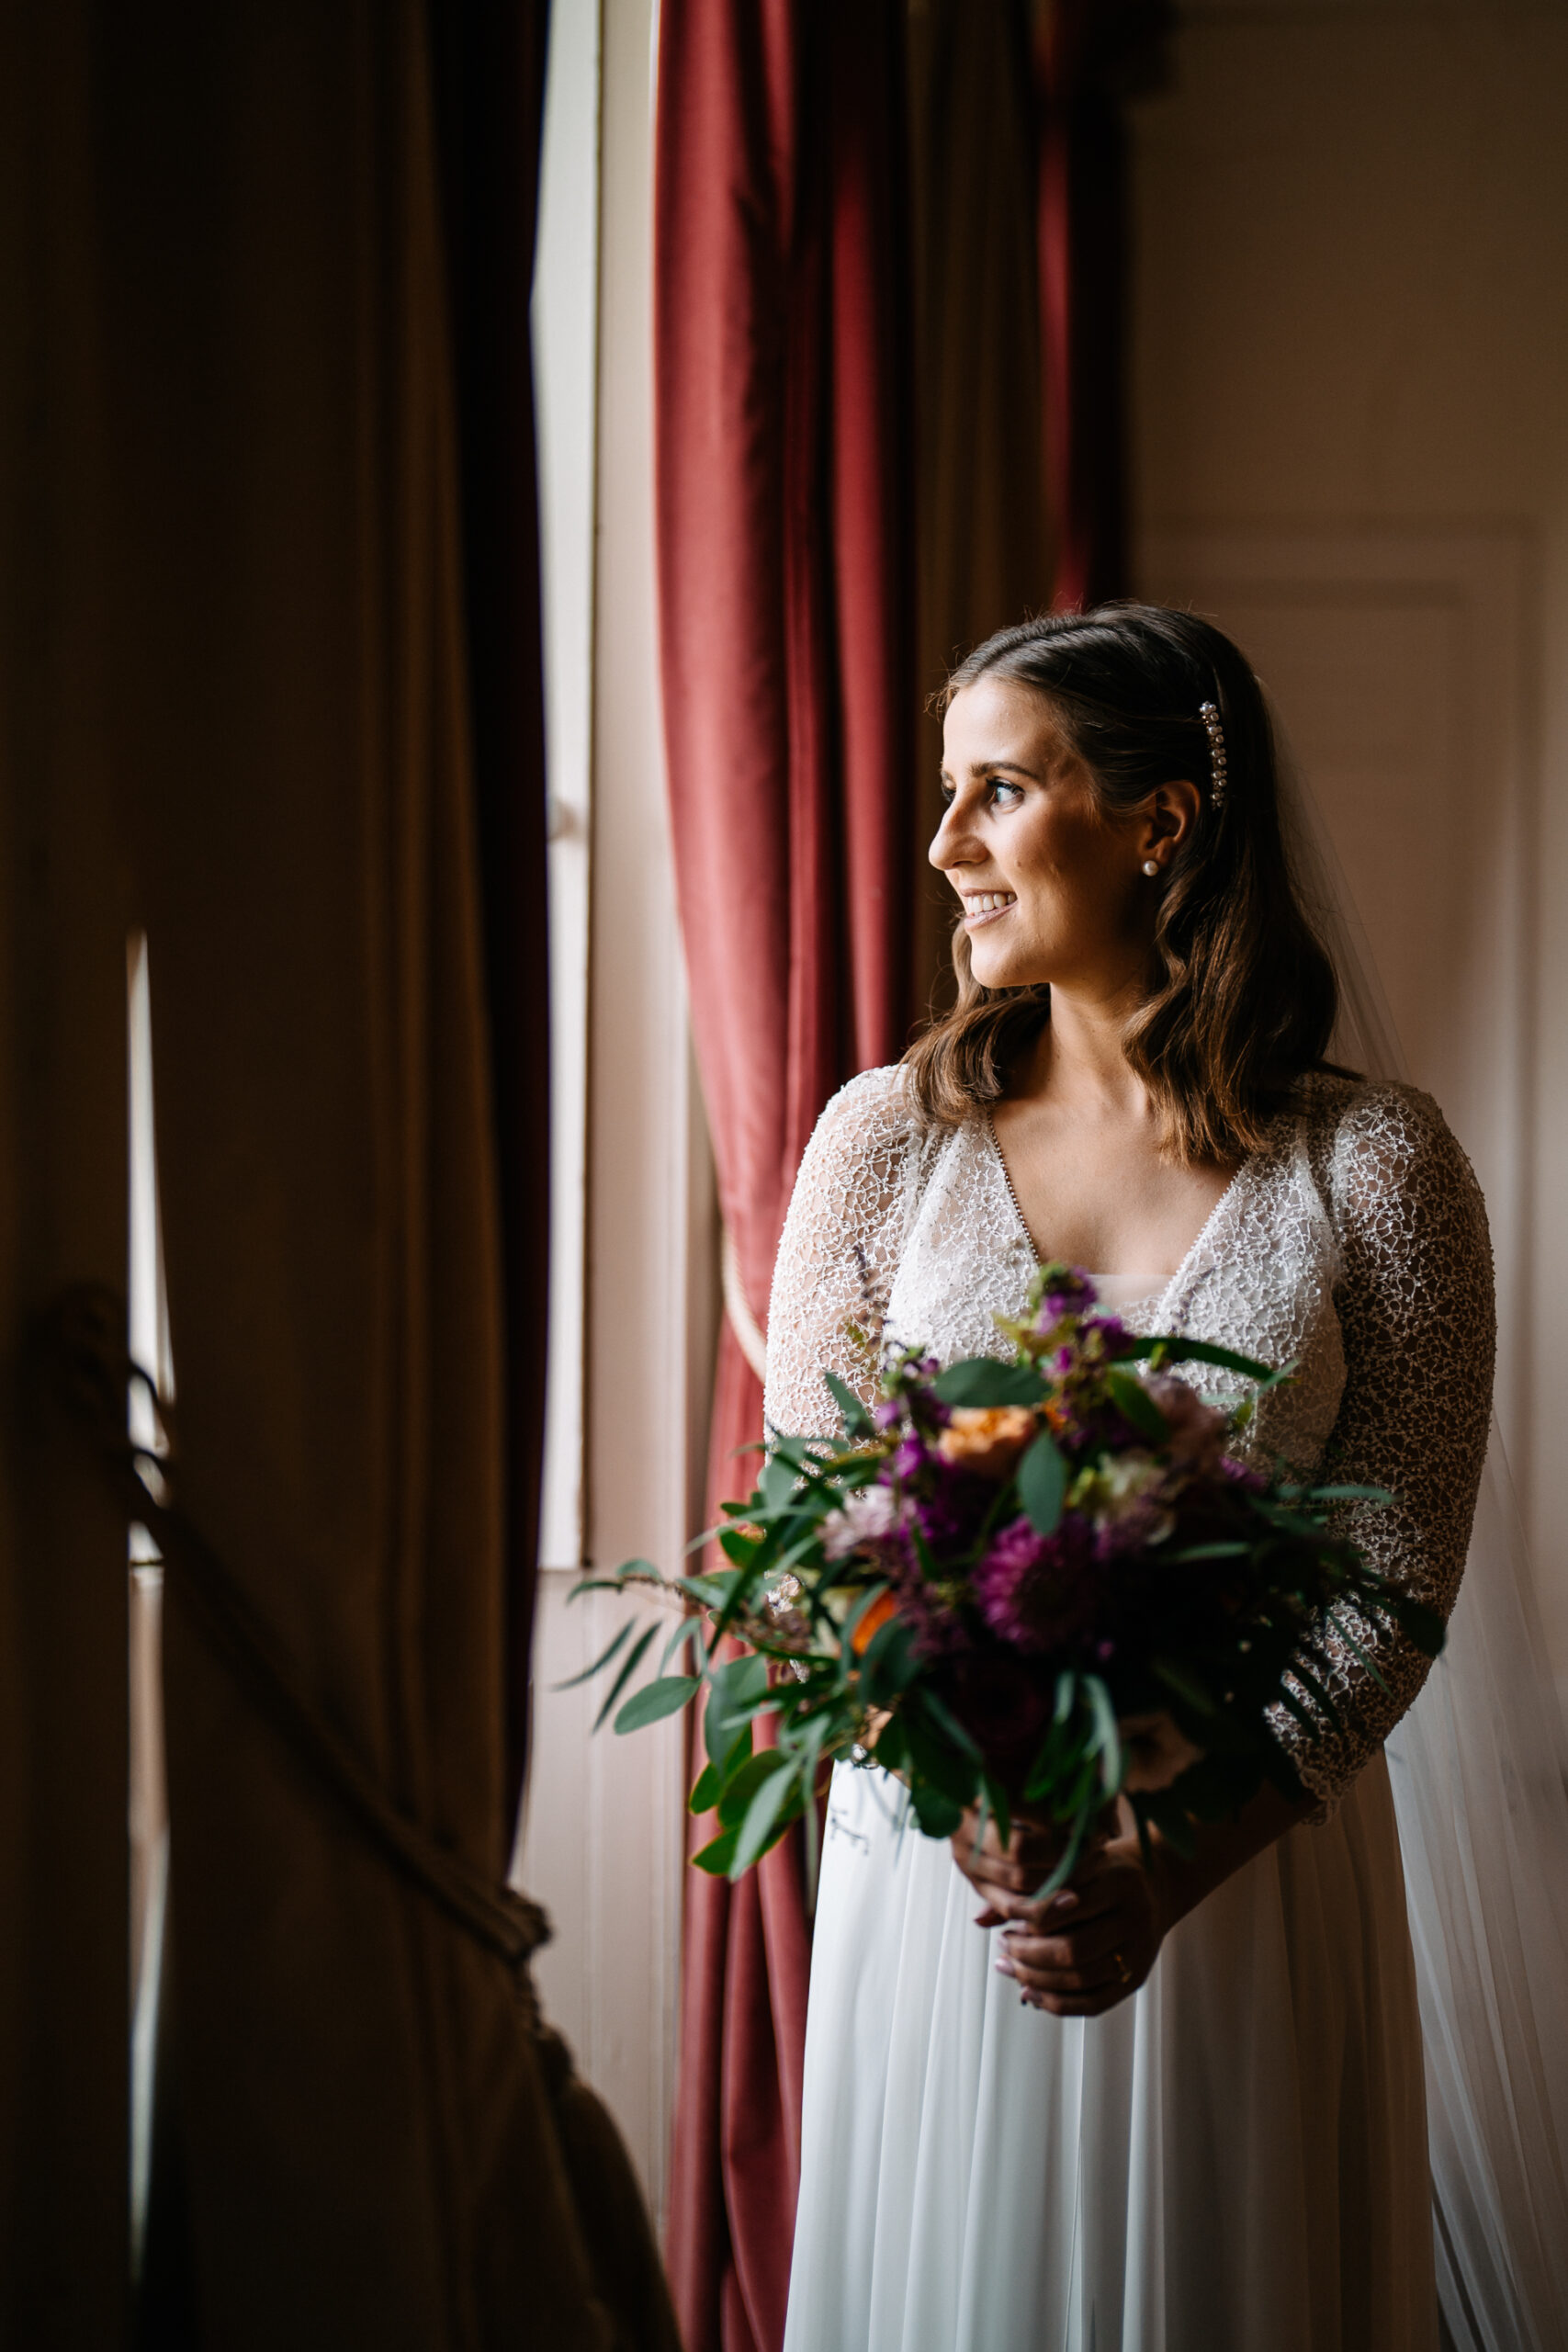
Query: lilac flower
(1198, 1432)
(868, 1516)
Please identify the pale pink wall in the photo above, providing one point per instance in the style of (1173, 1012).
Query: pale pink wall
(1351, 335)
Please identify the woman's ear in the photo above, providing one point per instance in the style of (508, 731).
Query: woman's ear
(1169, 818)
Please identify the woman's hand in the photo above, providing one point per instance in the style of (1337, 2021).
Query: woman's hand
(1006, 1876)
(1083, 1950)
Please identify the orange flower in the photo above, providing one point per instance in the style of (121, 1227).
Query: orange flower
(881, 1609)
(986, 1438)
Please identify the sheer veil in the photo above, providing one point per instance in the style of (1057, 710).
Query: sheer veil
(1478, 1769)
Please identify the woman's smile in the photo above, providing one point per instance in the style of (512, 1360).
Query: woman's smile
(986, 906)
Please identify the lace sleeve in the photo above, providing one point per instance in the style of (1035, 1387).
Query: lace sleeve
(839, 1252)
(1416, 1306)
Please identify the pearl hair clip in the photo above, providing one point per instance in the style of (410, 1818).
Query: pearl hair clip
(1208, 713)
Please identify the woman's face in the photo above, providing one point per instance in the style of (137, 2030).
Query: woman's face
(1052, 889)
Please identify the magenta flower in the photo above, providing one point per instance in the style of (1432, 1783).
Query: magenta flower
(1035, 1591)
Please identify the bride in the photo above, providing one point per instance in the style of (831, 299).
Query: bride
(1178, 2108)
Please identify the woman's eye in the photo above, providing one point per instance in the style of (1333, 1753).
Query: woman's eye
(1005, 795)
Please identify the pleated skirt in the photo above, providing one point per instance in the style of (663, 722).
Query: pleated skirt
(1234, 2160)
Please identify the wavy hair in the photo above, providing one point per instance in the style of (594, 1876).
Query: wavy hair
(1242, 996)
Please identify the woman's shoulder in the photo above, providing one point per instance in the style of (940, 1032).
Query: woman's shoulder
(1378, 1141)
(877, 1111)
(863, 1134)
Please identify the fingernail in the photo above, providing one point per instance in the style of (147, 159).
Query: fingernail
(1004, 1967)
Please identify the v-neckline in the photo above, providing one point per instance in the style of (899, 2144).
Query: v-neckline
(1199, 1238)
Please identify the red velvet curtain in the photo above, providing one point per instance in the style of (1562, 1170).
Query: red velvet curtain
(786, 515)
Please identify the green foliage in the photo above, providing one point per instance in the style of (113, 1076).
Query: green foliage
(857, 1421)
(657, 1700)
(1133, 1400)
(982, 1380)
(1042, 1484)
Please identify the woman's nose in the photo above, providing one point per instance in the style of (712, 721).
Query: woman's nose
(951, 843)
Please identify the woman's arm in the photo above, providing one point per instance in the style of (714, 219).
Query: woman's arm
(1416, 1308)
(838, 1253)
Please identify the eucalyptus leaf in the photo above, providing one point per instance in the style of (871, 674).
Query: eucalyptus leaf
(937, 1815)
(742, 1786)
(628, 1667)
(892, 1748)
(889, 1664)
(1178, 1350)
(1423, 1625)
(1042, 1484)
(857, 1420)
(735, 1693)
(778, 1482)
(690, 1631)
(1108, 1738)
(1185, 1685)
(601, 1660)
(948, 1722)
(657, 1700)
(981, 1380)
(1133, 1401)
(704, 1790)
(768, 1801)
(716, 1857)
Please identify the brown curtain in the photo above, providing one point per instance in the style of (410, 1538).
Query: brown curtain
(489, 90)
(1093, 55)
(64, 910)
(237, 690)
(784, 474)
(986, 555)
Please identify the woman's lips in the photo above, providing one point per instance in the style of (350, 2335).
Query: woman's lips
(981, 907)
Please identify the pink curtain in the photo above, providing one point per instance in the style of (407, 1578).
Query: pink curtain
(786, 562)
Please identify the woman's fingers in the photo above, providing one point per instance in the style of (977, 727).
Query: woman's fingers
(1072, 1964)
(1083, 1966)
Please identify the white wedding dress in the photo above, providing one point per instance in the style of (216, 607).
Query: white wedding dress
(1235, 2158)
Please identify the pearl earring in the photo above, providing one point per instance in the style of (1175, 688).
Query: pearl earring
(1151, 866)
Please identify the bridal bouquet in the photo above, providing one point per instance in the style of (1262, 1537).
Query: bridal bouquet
(1027, 1587)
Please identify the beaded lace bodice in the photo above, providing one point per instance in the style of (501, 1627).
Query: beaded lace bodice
(1353, 1244)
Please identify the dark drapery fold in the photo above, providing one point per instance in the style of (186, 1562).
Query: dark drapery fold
(382, 2144)
(1092, 55)
(786, 569)
(984, 541)
(489, 65)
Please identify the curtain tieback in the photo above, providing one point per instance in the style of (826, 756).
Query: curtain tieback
(738, 1306)
(79, 1339)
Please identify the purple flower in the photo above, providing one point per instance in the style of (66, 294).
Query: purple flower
(1071, 1293)
(908, 1459)
(1036, 1591)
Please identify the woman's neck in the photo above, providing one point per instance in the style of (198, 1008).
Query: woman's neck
(1079, 1057)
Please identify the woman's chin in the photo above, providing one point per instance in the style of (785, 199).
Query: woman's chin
(995, 967)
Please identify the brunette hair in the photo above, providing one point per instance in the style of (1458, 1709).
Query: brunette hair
(1242, 995)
